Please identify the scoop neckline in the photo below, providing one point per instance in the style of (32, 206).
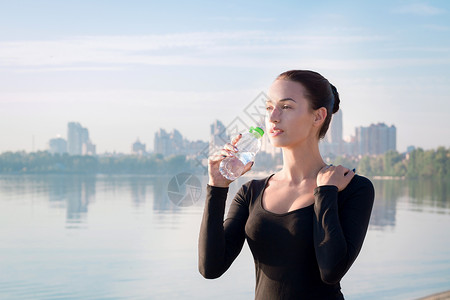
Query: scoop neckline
(274, 213)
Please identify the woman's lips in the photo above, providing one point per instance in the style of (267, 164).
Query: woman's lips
(275, 132)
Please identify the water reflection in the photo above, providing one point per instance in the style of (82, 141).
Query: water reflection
(133, 221)
(161, 202)
(385, 206)
(75, 193)
(419, 195)
(426, 194)
(139, 187)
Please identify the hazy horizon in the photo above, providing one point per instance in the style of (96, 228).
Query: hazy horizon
(124, 70)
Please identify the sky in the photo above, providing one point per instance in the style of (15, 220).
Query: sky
(125, 69)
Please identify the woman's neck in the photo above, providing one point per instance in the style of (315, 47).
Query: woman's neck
(301, 162)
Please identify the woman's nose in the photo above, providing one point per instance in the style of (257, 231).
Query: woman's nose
(274, 116)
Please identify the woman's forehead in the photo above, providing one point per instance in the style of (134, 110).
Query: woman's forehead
(286, 89)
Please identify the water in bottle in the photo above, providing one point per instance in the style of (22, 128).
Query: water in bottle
(249, 144)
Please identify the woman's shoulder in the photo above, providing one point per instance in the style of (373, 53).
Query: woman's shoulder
(360, 181)
(257, 183)
(358, 187)
(254, 187)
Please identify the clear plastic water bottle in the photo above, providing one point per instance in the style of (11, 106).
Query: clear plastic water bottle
(249, 144)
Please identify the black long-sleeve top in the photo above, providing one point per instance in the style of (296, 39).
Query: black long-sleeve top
(302, 254)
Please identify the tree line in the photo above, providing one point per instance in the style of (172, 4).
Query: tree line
(45, 162)
(418, 163)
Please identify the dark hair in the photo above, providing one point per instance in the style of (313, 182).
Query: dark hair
(320, 93)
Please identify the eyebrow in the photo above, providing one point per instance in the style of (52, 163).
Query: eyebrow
(282, 100)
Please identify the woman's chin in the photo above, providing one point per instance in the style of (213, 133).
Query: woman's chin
(277, 143)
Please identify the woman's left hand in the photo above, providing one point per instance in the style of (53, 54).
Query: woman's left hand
(338, 176)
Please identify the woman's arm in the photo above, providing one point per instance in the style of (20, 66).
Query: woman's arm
(339, 233)
(221, 241)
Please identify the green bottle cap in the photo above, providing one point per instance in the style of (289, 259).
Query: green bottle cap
(257, 132)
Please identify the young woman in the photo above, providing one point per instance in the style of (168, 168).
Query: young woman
(305, 224)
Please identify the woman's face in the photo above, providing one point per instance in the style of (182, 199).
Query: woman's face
(289, 119)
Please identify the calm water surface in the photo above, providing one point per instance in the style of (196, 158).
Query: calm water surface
(121, 237)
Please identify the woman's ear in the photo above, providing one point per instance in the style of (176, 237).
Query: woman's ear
(319, 116)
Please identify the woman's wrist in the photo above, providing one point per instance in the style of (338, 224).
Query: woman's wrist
(323, 188)
(218, 184)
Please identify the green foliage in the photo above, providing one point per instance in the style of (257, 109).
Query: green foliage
(45, 162)
(416, 164)
(348, 161)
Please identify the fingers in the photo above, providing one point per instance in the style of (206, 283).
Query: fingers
(228, 150)
(230, 147)
(349, 172)
(338, 169)
(220, 155)
(345, 171)
(236, 139)
(248, 167)
(324, 169)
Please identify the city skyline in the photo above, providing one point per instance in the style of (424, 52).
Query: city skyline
(374, 139)
(334, 134)
(132, 68)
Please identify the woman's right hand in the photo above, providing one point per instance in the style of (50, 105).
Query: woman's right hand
(338, 176)
(215, 177)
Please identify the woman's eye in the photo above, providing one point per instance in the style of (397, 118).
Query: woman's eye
(286, 107)
(269, 108)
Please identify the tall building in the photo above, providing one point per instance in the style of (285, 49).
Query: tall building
(173, 143)
(78, 142)
(376, 139)
(161, 142)
(138, 148)
(74, 143)
(169, 143)
(57, 146)
(177, 142)
(88, 148)
(334, 134)
(194, 148)
(333, 143)
(218, 135)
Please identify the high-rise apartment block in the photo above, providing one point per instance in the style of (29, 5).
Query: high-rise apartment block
(333, 142)
(138, 148)
(372, 140)
(218, 135)
(57, 146)
(173, 143)
(78, 142)
(168, 143)
(375, 139)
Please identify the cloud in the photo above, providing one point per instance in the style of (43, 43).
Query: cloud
(248, 48)
(420, 9)
(245, 19)
(68, 69)
(253, 49)
(374, 64)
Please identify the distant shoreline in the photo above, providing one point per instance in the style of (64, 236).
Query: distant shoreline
(388, 177)
(251, 174)
(378, 177)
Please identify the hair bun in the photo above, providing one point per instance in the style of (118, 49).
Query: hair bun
(336, 98)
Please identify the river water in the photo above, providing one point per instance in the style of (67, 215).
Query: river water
(135, 237)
